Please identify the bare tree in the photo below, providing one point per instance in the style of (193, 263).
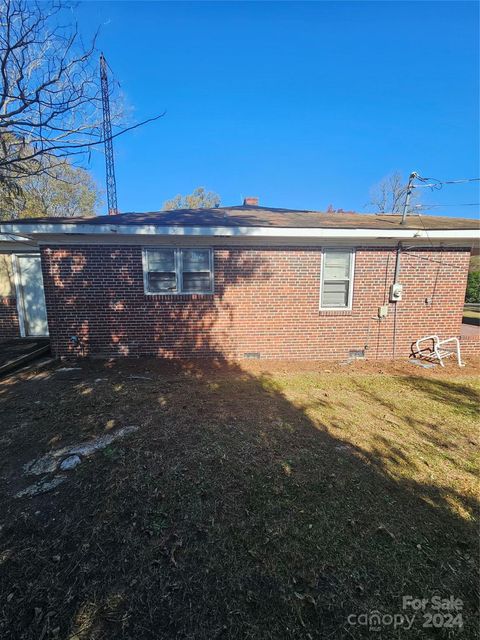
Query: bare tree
(388, 196)
(50, 103)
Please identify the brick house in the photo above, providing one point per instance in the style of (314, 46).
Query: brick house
(235, 282)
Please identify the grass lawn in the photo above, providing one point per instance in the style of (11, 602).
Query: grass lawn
(254, 502)
(469, 314)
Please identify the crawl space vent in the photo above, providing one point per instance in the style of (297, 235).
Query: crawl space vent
(358, 354)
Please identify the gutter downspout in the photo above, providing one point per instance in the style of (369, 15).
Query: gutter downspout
(397, 263)
(395, 281)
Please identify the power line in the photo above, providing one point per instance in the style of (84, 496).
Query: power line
(465, 204)
(431, 183)
(463, 180)
(438, 184)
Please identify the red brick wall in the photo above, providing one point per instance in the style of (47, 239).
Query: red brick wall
(266, 301)
(8, 319)
(470, 345)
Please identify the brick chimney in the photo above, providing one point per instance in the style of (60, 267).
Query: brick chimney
(250, 201)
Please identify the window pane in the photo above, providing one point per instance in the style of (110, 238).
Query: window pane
(159, 282)
(335, 294)
(337, 265)
(161, 260)
(196, 259)
(197, 282)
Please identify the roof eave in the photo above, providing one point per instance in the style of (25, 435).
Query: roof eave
(86, 229)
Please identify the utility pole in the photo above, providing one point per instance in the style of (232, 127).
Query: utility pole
(107, 135)
(410, 188)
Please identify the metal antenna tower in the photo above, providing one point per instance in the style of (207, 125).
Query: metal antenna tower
(107, 135)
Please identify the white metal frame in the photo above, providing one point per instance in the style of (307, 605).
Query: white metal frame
(438, 350)
(18, 295)
(18, 290)
(351, 277)
(178, 257)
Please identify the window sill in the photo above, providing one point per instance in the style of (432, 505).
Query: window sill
(335, 312)
(179, 297)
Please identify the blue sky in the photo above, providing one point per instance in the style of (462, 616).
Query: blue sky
(301, 104)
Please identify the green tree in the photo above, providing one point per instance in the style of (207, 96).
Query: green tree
(59, 190)
(473, 287)
(474, 261)
(198, 199)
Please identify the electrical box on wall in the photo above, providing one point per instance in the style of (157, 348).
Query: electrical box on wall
(396, 291)
(383, 311)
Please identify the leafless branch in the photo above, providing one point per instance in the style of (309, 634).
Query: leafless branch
(50, 101)
(388, 196)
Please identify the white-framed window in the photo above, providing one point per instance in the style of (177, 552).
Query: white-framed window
(175, 271)
(336, 288)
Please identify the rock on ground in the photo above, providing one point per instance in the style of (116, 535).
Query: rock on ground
(49, 462)
(41, 487)
(70, 463)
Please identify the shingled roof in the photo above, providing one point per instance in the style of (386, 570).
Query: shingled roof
(256, 216)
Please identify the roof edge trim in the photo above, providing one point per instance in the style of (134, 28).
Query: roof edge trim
(277, 232)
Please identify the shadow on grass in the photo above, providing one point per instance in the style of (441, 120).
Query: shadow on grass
(231, 514)
(447, 391)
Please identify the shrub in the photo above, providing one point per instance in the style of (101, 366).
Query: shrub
(473, 287)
